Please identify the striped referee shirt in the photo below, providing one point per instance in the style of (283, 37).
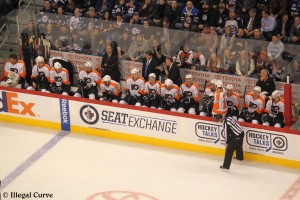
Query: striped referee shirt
(230, 124)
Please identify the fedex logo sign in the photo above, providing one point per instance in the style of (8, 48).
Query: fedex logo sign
(9, 103)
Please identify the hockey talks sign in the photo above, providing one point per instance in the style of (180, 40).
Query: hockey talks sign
(261, 141)
(207, 132)
(9, 103)
(90, 115)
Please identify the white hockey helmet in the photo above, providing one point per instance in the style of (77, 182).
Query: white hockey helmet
(276, 94)
(168, 82)
(213, 81)
(219, 83)
(188, 76)
(152, 75)
(106, 78)
(257, 88)
(88, 64)
(39, 59)
(134, 71)
(229, 87)
(57, 65)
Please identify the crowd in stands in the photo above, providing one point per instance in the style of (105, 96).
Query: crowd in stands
(236, 37)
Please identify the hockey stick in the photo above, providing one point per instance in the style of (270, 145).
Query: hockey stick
(82, 93)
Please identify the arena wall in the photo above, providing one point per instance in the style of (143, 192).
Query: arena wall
(155, 127)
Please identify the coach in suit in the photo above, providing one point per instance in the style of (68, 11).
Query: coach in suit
(251, 22)
(109, 64)
(149, 66)
(171, 70)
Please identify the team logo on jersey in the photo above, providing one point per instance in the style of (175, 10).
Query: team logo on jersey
(134, 87)
(41, 74)
(58, 79)
(204, 17)
(118, 10)
(188, 93)
(252, 105)
(89, 114)
(207, 132)
(229, 103)
(188, 19)
(262, 141)
(135, 31)
(168, 96)
(87, 80)
(152, 91)
(15, 70)
(130, 10)
(45, 18)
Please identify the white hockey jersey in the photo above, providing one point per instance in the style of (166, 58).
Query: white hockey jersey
(233, 100)
(191, 91)
(59, 78)
(92, 77)
(152, 89)
(254, 104)
(113, 87)
(273, 108)
(170, 95)
(18, 68)
(41, 71)
(135, 86)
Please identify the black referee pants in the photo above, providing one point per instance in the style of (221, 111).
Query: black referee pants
(235, 144)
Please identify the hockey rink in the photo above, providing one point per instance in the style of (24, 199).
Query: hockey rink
(69, 166)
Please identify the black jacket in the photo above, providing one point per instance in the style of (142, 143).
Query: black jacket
(268, 86)
(110, 66)
(174, 74)
(151, 69)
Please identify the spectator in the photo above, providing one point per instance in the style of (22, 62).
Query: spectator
(119, 7)
(47, 8)
(119, 23)
(227, 40)
(283, 27)
(209, 41)
(70, 6)
(228, 62)
(147, 32)
(198, 61)
(132, 7)
(173, 13)
(76, 21)
(234, 22)
(60, 18)
(257, 40)
(135, 20)
(219, 17)
(275, 48)
(278, 8)
(295, 32)
(213, 63)
(157, 55)
(244, 65)
(184, 57)
(293, 8)
(105, 24)
(268, 24)
(58, 3)
(251, 22)
(262, 5)
(243, 7)
(104, 5)
(262, 62)
(295, 71)
(239, 42)
(92, 13)
(138, 48)
(30, 29)
(159, 13)
(205, 15)
(147, 10)
(124, 43)
(231, 5)
(189, 18)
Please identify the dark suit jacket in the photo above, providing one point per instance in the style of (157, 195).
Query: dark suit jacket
(151, 69)
(174, 74)
(288, 26)
(256, 22)
(110, 66)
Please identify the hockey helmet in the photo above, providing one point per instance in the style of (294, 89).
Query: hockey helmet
(188, 76)
(219, 84)
(39, 59)
(213, 81)
(106, 78)
(276, 94)
(57, 65)
(152, 75)
(168, 82)
(229, 87)
(88, 64)
(257, 88)
(134, 71)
